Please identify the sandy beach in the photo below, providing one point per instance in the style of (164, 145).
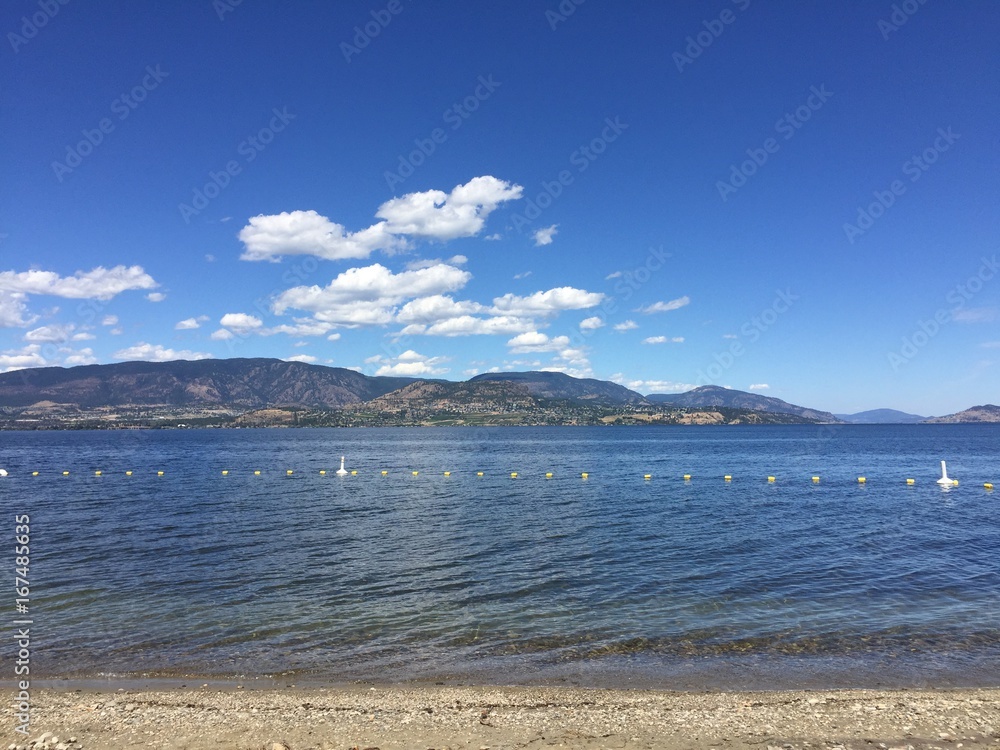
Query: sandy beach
(192, 718)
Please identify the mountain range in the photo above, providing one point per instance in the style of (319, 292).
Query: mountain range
(237, 386)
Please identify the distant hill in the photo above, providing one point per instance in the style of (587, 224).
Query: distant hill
(468, 397)
(881, 416)
(714, 395)
(980, 414)
(557, 385)
(243, 383)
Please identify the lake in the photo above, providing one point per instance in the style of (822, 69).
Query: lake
(610, 580)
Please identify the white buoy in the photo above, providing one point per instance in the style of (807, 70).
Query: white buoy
(341, 471)
(3, 472)
(945, 481)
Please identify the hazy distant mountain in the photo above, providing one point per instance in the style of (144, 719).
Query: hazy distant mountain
(557, 385)
(985, 413)
(881, 416)
(243, 383)
(713, 395)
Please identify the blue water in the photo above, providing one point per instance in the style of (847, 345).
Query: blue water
(609, 580)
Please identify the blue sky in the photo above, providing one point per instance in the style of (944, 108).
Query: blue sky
(794, 198)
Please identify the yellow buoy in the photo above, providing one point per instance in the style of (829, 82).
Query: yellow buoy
(647, 476)
(65, 473)
(322, 472)
(770, 479)
(861, 480)
(128, 473)
(584, 475)
(288, 472)
(815, 479)
(34, 473)
(97, 473)
(687, 477)
(256, 472)
(479, 473)
(415, 473)
(354, 472)
(728, 478)
(988, 485)
(911, 481)
(385, 473)
(548, 475)
(513, 475)
(954, 483)
(159, 473)
(447, 473)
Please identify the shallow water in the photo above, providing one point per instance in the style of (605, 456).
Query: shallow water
(609, 580)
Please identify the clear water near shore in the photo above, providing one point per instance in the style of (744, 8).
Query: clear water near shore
(612, 580)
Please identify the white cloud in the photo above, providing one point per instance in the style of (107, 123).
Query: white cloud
(100, 283)
(410, 364)
(333, 337)
(82, 336)
(455, 260)
(157, 353)
(116, 331)
(13, 310)
(81, 357)
(437, 215)
(730, 336)
(544, 236)
(613, 275)
(533, 341)
(628, 325)
(591, 324)
(663, 340)
(156, 296)
(674, 304)
(519, 276)
(50, 333)
(209, 258)
(759, 387)
(109, 320)
(432, 214)
(189, 324)
(17, 359)
(547, 302)
(222, 335)
(307, 358)
(493, 237)
(652, 386)
(368, 295)
(435, 307)
(240, 321)
(468, 325)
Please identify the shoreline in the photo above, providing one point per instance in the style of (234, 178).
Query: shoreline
(410, 716)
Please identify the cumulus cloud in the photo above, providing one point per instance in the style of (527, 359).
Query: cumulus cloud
(222, 335)
(409, 364)
(652, 386)
(544, 236)
(240, 321)
(369, 295)
(613, 275)
(81, 357)
(468, 325)
(18, 359)
(547, 302)
(100, 283)
(51, 333)
(591, 324)
(432, 214)
(674, 304)
(156, 296)
(82, 336)
(534, 341)
(189, 324)
(628, 325)
(759, 387)
(663, 340)
(307, 358)
(156, 353)
(13, 310)
(109, 320)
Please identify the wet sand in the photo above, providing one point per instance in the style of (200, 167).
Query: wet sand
(508, 717)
